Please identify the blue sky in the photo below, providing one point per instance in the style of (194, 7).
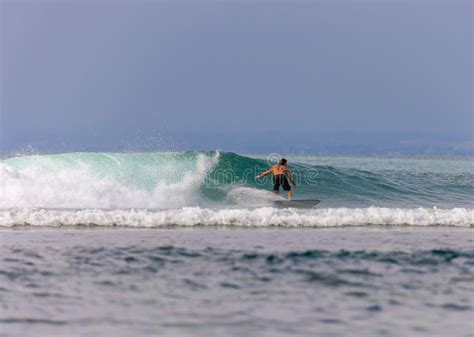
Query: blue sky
(252, 76)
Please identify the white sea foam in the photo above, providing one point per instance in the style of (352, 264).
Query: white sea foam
(80, 187)
(250, 197)
(259, 217)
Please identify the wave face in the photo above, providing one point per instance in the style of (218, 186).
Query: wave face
(156, 189)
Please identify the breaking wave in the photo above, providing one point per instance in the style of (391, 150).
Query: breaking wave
(214, 188)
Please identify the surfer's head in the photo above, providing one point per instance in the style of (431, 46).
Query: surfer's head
(282, 161)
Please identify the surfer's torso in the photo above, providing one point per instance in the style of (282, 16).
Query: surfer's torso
(279, 169)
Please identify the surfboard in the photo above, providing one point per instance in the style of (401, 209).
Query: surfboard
(296, 203)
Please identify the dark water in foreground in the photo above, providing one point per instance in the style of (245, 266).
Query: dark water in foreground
(223, 282)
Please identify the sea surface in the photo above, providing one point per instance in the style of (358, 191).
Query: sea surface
(191, 244)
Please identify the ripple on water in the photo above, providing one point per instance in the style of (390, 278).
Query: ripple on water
(165, 277)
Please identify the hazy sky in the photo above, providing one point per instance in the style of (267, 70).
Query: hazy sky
(98, 74)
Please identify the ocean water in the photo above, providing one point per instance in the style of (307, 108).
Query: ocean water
(190, 244)
(214, 188)
(237, 282)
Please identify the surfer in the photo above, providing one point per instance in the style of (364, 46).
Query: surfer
(280, 173)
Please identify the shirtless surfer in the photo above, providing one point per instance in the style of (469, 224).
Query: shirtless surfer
(280, 173)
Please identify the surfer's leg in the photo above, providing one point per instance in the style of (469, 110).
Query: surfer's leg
(287, 187)
(276, 184)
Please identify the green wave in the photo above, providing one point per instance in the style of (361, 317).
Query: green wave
(336, 186)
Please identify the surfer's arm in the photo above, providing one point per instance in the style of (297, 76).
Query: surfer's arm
(267, 172)
(290, 177)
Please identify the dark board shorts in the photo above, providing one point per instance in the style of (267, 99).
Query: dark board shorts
(280, 179)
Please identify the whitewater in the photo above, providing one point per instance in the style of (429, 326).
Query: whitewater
(219, 189)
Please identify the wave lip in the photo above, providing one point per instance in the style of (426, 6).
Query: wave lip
(259, 217)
